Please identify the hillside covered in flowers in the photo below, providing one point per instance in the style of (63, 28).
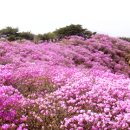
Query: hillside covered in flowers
(73, 84)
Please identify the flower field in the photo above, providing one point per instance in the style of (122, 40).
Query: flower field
(74, 84)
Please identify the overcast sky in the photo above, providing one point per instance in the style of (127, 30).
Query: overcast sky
(40, 16)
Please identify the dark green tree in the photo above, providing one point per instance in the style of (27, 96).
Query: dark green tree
(11, 38)
(26, 35)
(125, 38)
(46, 36)
(72, 30)
(9, 31)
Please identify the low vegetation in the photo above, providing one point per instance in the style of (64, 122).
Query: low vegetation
(72, 84)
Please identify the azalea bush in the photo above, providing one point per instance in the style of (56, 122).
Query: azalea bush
(74, 84)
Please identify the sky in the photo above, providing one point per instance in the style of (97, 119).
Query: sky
(41, 16)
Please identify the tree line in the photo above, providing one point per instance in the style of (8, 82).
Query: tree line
(13, 34)
(125, 38)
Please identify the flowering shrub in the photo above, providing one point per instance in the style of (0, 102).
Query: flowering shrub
(76, 84)
(11, 103)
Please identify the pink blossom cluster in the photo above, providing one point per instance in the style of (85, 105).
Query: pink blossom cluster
(75, 84)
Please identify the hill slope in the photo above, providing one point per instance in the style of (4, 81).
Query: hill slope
(74, 84)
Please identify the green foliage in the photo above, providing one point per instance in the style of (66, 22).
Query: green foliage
(72, 30)
(125, 38)
(46, 36)
(9, 31)
(39, 37)
(12, 34)
(42, 37)
(26, 35)
(11, 38)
